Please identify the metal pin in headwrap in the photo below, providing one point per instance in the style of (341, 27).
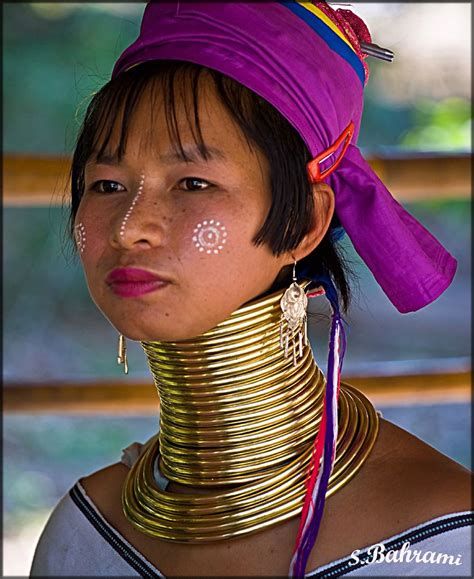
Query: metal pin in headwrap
(371, 49)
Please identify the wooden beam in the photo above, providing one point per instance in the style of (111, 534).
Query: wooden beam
(427, 176)
(77, 397)
(415, 388)
(36, 180)
(139, 397)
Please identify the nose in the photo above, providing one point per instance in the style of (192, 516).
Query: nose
(139, 223)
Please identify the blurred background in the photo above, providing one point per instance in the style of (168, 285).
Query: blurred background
(55, 56)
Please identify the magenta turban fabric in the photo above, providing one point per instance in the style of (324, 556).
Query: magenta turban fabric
(311, 70)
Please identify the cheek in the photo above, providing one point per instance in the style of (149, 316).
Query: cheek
(218, 249)
(80, 236)
(89, 233)
(225, 227)
(209, 236)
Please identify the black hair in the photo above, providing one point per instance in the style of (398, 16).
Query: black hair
(263, 127)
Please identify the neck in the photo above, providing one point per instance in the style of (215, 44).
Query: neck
(234, 409)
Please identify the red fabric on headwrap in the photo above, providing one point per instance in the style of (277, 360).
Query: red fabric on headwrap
(353, 27)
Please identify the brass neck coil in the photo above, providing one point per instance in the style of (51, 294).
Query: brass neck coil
(239, 420)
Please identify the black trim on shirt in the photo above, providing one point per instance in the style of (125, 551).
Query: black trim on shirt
(415, 536)
(110, 536)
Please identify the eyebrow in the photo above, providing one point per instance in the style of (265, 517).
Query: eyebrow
(192, 155)
(189, 155)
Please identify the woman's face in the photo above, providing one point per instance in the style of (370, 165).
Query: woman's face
(187, 225)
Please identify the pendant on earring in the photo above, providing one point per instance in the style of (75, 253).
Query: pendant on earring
(122, 353)
(293, 306)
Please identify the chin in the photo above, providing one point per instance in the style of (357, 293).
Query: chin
(169, 331)
(156, 325)
(148, 335)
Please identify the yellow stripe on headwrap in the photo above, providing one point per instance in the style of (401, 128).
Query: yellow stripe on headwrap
(319, 14)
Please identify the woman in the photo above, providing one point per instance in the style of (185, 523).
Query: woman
(211, 180)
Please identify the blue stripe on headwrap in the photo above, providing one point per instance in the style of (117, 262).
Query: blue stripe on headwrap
(328, 35)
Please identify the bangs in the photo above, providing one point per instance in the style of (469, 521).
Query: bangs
(112, 110)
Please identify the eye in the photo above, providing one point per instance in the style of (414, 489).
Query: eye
(195, 184)
(107, 187)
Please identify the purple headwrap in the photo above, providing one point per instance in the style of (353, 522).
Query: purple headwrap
(303, 63)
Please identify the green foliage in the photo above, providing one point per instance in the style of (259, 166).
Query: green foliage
(443, 125)
(55, 56)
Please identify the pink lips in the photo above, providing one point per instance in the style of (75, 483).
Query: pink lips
(130, 282)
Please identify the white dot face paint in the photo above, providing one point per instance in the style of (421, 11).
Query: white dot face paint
(134, 202)
(210, 236)
(80, 236)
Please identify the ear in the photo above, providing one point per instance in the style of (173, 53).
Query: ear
(323, 212)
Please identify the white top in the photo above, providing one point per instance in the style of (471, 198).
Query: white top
(78, 541)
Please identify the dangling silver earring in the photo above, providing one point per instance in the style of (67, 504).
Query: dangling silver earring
(293, 306)
(122, 353)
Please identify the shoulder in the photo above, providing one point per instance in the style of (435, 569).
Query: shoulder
(104, 486)
(71, 537)
(403, 484)
(59, 542)
(413, 480)
(78, 540)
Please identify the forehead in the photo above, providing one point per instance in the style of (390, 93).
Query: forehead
(163, 119)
